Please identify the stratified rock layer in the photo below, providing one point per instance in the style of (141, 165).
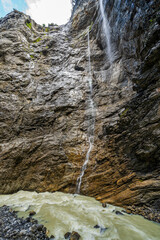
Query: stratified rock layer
(43, 104)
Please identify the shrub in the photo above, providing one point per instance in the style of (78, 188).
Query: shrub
(29, 25)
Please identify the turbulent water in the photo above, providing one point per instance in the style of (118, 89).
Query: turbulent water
(91, 111)
(62, 213)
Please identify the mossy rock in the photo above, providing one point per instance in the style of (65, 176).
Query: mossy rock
(29, 25)
(124, 113)
(37, 40)
(90, 27)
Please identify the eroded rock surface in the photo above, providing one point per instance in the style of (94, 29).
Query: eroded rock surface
(43, 104)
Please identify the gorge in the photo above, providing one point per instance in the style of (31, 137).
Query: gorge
(52, 108)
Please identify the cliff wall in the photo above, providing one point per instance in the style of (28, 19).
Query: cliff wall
(44, 94)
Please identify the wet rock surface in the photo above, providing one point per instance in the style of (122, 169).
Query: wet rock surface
(74, 236)
(147, 212)
(12, 227)
(67, 235)
(44, 98)
(127, 121)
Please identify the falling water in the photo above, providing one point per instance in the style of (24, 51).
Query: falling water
(106, 29)
(91, 111)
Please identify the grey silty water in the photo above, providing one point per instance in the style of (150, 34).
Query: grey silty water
(91, 110)
(106, 29)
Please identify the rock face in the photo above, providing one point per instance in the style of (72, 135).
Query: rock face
(44, 98)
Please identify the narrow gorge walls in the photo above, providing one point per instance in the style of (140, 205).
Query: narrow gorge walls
(44, 115)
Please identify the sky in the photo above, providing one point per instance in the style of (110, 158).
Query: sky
(42, 11)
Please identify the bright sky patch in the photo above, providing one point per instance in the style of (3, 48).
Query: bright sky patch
(42, 11)
(7, 6)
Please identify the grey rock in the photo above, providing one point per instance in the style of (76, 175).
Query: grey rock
(44, 115)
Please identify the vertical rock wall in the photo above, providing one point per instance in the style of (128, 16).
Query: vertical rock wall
(43, 107)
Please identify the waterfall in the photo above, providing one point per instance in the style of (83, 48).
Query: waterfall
(106, 29)
(91, 111)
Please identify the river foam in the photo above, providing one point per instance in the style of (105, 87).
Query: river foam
(62, 213)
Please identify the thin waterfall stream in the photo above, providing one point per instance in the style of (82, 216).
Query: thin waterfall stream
(91, 110)
(109, 53)
(107, 32)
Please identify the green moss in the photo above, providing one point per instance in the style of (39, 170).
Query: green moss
(47, 47)
(124, 112)
(29, 25)
(37, 40)
(32, 56)
(47, 29)
(152, 20)
(90, 27)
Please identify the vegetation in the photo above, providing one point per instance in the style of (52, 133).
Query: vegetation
(29, 24)
(37, 40)
(124, 112)
(90, 27)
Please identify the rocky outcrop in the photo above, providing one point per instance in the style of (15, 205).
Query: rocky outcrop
(43, 107)
(13, 227)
